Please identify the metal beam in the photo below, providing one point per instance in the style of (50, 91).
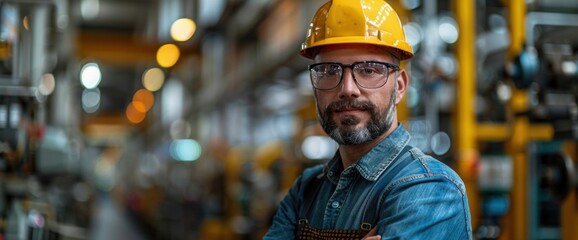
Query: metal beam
(18, 91)
(122, 49)
(534, 19)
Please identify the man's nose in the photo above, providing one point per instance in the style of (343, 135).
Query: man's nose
(349, 88)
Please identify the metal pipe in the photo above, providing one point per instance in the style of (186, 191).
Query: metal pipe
(518, 142)
(466, 151)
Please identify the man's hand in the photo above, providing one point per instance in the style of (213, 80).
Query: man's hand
(371, 235)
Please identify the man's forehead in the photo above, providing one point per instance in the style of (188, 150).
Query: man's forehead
(368, 48)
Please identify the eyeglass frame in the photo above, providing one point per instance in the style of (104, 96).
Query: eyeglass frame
(390, 66)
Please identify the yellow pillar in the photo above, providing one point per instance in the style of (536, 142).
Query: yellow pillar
(517, 145)
(517, 14)
(465, 138)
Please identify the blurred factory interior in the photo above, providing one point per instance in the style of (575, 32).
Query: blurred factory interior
(189, 119)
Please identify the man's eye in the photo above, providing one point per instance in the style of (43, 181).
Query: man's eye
(368, 71)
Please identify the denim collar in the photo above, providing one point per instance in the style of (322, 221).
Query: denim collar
(375, 162)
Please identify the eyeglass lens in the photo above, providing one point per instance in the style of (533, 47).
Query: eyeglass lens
(366, 74)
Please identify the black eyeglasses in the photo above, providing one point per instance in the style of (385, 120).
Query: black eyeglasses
(366, 74)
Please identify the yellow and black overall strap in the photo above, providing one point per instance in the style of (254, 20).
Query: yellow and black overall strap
(369, 217)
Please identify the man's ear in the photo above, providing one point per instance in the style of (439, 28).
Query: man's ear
(402, 81)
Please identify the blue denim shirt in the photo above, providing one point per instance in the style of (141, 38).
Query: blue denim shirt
(425, 200)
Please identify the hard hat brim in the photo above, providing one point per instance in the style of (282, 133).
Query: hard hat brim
(403, 47)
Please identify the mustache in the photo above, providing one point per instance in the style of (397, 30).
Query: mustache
(350, 104)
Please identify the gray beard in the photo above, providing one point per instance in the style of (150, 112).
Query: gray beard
(348, 134)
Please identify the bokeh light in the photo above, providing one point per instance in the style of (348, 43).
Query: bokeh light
(90, 75)
(168, 55)
(133, 115)
(570, 68)
(448, 30)
(47, 84)
(143, 100)
(153, 79)
(440, 143)
(318, 147)
(411, 4)
(183, 29)
(414, 34)
(91, 100)
(185, 150)
(180, 129)
(25, 23)
(149, 164)
(89, 9)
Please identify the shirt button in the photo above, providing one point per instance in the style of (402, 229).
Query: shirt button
(335, 204)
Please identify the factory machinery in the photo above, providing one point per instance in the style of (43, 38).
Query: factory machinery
(494, 86)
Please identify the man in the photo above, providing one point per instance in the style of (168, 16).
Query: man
(376, 186)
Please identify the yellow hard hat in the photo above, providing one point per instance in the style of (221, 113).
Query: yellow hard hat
(356, 21)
